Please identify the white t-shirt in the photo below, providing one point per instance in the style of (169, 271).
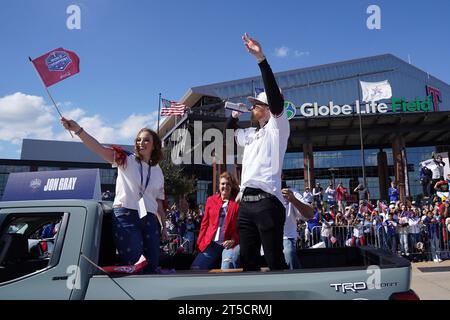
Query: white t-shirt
(308, 197)
(292, 213)
(128, 185)
(436, 168)
(264, 151)
(331, 194)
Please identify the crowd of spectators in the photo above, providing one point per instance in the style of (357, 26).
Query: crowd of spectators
(420, 231)
(183, 228)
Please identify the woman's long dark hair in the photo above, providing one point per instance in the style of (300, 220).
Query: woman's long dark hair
(157, 154)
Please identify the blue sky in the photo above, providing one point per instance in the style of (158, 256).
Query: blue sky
(130, 50)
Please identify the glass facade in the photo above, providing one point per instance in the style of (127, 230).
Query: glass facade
(348, 165)
(202, 191)
(415, 156)
(336, 159)
(108, 176)
(48, 168)
(5, 170)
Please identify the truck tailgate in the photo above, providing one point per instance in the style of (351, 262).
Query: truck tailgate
(299, 284)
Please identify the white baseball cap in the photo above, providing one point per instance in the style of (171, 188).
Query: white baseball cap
(261, 98)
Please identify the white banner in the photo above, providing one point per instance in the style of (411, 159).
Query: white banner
(374, 91)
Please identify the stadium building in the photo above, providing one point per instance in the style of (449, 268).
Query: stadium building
(328, 122)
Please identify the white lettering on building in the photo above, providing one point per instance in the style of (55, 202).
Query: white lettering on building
(315, 110)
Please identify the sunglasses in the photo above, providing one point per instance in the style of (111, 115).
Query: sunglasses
(257, 105)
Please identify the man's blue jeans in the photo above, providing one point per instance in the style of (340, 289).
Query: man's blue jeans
(207, 259)
(135, 237)
(290, 253)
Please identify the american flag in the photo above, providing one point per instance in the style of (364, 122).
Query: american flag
(172, 108)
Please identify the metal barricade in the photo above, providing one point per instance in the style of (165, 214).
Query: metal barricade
(345, 236)
(415, 246)
(172, 244)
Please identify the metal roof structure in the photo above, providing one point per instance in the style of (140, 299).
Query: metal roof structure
(418, 129)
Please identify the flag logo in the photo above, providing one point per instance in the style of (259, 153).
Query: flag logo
(289, 107)
(58, 61)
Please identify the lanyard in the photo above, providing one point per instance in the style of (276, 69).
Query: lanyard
(141, 193)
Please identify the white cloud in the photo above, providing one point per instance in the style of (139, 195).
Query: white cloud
(119, 133)
(301, 53)
(24, 116)
(128, 128)
(75, 114)
(282, 51)
(94, 125)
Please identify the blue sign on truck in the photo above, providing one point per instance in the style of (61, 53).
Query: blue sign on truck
(45, 185)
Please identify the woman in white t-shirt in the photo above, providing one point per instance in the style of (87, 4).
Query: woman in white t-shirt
(138, 204)
(330, 193)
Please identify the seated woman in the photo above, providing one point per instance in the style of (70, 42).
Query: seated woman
(218, 239)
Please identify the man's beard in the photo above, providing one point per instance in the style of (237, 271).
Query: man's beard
(255, 118)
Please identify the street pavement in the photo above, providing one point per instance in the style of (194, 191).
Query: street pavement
(431, 285)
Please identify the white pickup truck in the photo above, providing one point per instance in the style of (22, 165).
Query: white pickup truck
(84, 241)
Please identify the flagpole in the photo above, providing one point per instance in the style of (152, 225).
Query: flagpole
(363, 160)
(48, 92)
(159, 110)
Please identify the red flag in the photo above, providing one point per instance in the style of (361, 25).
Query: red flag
(127, 269)
(57, 65)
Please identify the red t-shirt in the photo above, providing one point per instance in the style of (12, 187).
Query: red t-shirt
(442, 186)
(341, 193)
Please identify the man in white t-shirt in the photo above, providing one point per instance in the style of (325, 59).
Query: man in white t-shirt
(296, 208)
(261, 212)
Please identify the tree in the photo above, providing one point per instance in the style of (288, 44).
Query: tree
(175, 182)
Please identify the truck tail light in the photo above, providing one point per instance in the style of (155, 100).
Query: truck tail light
(407, 295)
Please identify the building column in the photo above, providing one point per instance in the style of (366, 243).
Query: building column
(400, 169)
(215, 175)
(308, 165)
(383, 174)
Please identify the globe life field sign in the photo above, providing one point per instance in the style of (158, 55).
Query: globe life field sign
(399, 105)
(309, 109)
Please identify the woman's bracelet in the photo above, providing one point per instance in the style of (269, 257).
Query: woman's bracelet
(79, 131)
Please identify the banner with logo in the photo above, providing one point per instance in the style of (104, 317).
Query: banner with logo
(49, 185)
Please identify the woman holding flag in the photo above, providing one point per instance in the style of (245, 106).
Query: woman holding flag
(138, 204)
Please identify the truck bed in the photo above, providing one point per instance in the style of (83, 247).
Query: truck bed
(322, 273)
